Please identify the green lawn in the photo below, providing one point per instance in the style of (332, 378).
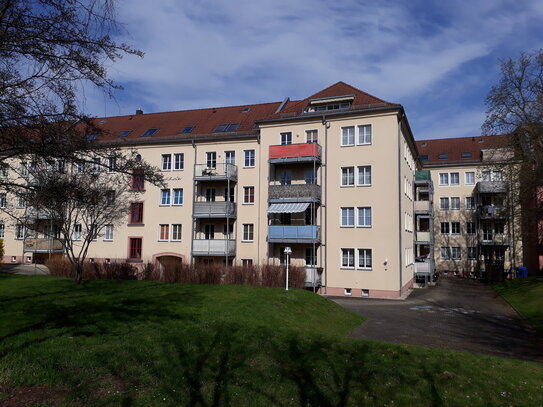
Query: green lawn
(526, 295)
(144, 344)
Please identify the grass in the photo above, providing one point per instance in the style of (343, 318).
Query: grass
(136, 343)
(526, 296)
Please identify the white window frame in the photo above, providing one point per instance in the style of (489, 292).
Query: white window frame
(211, 160)
(468, 228)
(444, 199)
(286, 138)
(455, 199)
(445, 250)
(346, 137)
(249, 158)
(163, 193)
(364, 169)
(443, 178)
(365, 266)
(346, 170)
(472, 200)
(246, 188)
(2, 230)
(160, 239)
(77, 232)
(174, 197)
(446, 226)
(364, 137)
(459, 228)
(456, 253)
(179, 161)
(471, 250)
(471, 174)
(344, 213)
(364, 209)
(111, 165)
(312, 136)
(19, 231)
(166, 162)
(3, 200)
(456, 176)
(348, 252)
(176, 229)
(108, 233)
(248, 232)
(230, 157)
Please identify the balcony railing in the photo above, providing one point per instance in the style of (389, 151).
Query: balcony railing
(215, 247)
(42, 245)
(295, 193)
(221, 172)
(488, 238)
(423, 237)
(33, 213)
(491, 187)
(422, 175)
(491, 212)
(313, 276)
(425, 267)
(294, 234)
(423, 206)
(292, 153)
(214, 209)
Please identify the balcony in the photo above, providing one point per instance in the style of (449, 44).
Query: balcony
(491, 187)
(423, 206)
(426, 267)
(42, 245)
(294, 234)
(422, 176)
(493, 239)
(214, 247)
(313, 276)
(214, 210)
(294, 193)
(491, 212)
(221, 172)
(295, 153)
(423, 237)
(33, 213)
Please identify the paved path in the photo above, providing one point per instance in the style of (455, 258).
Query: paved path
(455, 314)
(27, 269)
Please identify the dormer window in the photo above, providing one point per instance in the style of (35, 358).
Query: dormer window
(443, 156)
(125, 133)
(187, 129)
(149, 133)
(328, 104)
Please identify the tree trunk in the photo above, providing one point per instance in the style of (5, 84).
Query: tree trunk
(78, 278)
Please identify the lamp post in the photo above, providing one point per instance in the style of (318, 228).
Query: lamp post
(288, 252)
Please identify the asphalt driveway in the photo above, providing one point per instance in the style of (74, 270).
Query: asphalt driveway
(456, 314)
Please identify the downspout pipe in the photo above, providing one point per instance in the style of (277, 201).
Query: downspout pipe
(400, 229)
(325, 184)
(193, 222)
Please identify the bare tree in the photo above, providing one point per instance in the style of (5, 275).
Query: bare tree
(515, 110)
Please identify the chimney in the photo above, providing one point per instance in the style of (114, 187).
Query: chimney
(139, 111)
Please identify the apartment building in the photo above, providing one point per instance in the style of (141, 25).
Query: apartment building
(476, 231)
(329, 176)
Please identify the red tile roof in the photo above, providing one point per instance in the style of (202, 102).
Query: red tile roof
(454, 147)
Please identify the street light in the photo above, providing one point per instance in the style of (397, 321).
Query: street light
(288, 252)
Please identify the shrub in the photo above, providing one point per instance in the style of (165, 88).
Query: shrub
(272, 275)
(1, 252)
(60, 267)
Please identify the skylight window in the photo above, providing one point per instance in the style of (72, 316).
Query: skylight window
(149, 133)
(443, 156)
(466, 155)
(246, 110)
(125, 133)
(187, 129)
(223, 128)
(424, 157)
(92, 137)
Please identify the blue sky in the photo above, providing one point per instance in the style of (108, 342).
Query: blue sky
(437, 58)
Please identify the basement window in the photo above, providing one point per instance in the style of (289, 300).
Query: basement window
(149, 133)
(348, 291)
(365, 293)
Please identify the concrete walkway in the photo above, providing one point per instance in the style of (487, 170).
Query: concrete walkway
(455, 314)
(26, 269)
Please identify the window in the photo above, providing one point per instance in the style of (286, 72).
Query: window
(445, 228)
(211, 159)
(364, 259)
(443, 156)
(138, 180)
(19, 231)
(178, 196)
(164, 232)
(364, 217)
(465, 154)
(165, 197)
(230, 157)
(456, 253)
(286, 177)
(79, 167)
(210, 194)
(499, 228)
(364, 175)
(149, 133)
(248, 232)
(209, 232)
(223, 128)
(286, 138)
(3, 200)
(166, 162)
(470, 202)
(108, 232)
(310, 257)
(93, 232)
(470, 178)
(4, 170)
(472, 253)
(249, 159)
(492, 175)
(111, 164)
(2, 230)
(455, 178)
(347, 176)
(96, 164)
(312, 136)
(455, 203)
(348, 291)
(125, 133)
(229, 195)
(311, 176)
(423, 157)
(347, 136)
(187, 129)
(455, 228)
(248, 195)
(246, 262)
(135, 248)
(21, 203)
(77, 232)
(470, 228)
(176, 232)
(445, 253)
(347, 258)
(347, 217)
(178, 161)
(136, 212)
(444, 178)
(364, 134)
